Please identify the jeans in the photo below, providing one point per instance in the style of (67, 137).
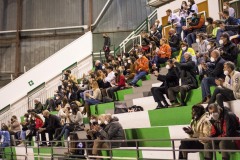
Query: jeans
(138, 76)
(111, 92)
(179, 31)
(191, 38)
(92, 101)
(65, 131)
(205, 86)
(23, 135)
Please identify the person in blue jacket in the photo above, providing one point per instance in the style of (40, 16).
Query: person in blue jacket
(5, 138)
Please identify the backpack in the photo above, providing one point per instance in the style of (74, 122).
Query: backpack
(120, 107)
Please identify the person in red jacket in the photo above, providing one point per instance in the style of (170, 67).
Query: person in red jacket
(141, 67)
(120, 84)
(37, 120)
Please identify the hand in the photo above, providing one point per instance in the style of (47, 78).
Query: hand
(139, 69)
(219, 82)
(156, 73)
(96, 128)
(204, 65)
(188, 130)
(87, 94)
(41, 129)
(174, 60)
(184, 27)
(198, 55)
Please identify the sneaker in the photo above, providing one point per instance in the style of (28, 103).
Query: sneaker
(43, 144)
(175, 104)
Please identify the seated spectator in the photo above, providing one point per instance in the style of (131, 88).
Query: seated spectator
(155, 33)
(174, 20)
(25, 127)
(196, 25)
(153, 57)
(209, 26)
(112, 131)
(173, 40)
(169, 80)
(14, 127)
(229, 25)
(213, 70)
(93, 99)
(70, 77)
(193, 8)
(158, 26)
(5, 139)
(227, 7)
(141, 67)
(185, 49)
(200, 127)
(202, 47)
(215, 25)
(120, 84)
(38, 106)
(188, 80)
(98, 65)
(76, 121)
(110, 79)
(52, 122)
(229, 51)
(99, 78)
(230, 87)
(164, 52)
(145, 42)
(224, 124)
(130, 69)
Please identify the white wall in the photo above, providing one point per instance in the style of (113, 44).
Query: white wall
(212, 7)
(46, 70)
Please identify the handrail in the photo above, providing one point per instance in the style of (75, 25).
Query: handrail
(136, 148)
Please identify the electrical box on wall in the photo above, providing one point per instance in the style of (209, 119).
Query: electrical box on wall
(157, 3)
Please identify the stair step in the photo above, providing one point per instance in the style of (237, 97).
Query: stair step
(133, 96)
(141, 89)
(129, 102)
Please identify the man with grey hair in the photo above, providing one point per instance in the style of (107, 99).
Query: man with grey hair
(230, 88)
(187, 74)
(213, 70)
(38, 107)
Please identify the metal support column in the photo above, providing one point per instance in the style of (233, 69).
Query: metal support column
(90, 21)
(18, 39)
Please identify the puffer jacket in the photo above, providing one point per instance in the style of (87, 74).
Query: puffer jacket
(113, 131)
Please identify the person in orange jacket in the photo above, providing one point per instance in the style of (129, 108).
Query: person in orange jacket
(141, 67)
(164, 52)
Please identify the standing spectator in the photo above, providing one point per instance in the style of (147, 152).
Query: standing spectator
(213, 71)
(230, 88)
(158, 26)
(169, 80)
(174, 20)
(193, 8)
(229, 51)
(50, 125)
(188, 80)
(173, 40)
(183, 14)
(106, 46)
(5, 139)
(224, 124)
(164, 52)
(141, 67)
(200, 127)
(38, 106)
(227, 7)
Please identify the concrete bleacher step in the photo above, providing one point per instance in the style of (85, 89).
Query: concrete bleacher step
(133, 96)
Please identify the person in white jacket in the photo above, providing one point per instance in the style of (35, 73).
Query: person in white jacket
(228, 89)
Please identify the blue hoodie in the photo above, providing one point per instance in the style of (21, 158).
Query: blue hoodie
(5, 136)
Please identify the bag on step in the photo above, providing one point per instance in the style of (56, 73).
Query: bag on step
(135, 108)
(120, 107)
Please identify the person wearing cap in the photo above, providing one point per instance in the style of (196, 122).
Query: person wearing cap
(188, 81)
(38, 107)
(224, 124)
(229, 51)
(141, 67)
(230, 87)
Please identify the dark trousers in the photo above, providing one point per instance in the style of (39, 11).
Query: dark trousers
(158, 93)
(50, 135)
(111, 92)
(189, 145)
(222, 95)
(173, 91)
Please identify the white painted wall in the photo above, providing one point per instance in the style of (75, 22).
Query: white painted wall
(213, 8)
(46, 70)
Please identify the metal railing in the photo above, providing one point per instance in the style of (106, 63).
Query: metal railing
(20, 107)
(136, 146)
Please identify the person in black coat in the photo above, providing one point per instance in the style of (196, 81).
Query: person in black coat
(52, 122)
(169, 80)
(174, 40)
(213, 70)
(229, 51)
(106, 45)
(187, 75)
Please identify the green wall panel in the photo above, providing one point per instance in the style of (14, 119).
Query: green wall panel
(101, 108)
